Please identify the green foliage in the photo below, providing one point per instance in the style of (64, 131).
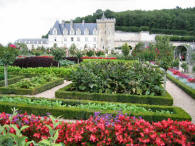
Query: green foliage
(75, 113)
(23, 49)
(99, 53)
(33, 82)
(58, 53)
(186, 88)
(91, 106)
(11, 79)
(65, 93)
(30, 91)
(193, 69)
(184, 66)
(117, 77)
(182, 38)
(66, 63)
(8, 55)
(175, 63)
(168, 21)
(90, 52)
(125, 49)
(59, 72)
(72, 49)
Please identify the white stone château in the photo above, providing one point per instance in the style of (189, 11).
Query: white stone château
(99, 35)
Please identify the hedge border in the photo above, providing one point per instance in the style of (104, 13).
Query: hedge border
(12, 80)
(49, 85)
(184, 87)
(166, 99)
(71, 113)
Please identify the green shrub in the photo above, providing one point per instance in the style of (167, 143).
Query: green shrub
(186, 88)
(31, 91)
(165, 99)
(193, 69)
(66, 63)
(11, 80)
(76, 113)
(117, 77)
(59, 72)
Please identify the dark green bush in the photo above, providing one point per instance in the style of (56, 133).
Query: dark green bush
(165, 99)
(117, 77)
(74, 113)
(11, 80)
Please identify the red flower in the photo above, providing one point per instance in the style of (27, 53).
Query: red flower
(12, 46)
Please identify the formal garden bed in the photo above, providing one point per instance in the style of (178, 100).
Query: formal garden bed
(11, 79)
(32, 85)
(83, 109)
(183, 81)
(121, 81)
(66, 93)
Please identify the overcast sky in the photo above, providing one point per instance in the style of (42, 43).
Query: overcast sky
(33, 18)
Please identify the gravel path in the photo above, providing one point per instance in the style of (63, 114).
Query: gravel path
(51, 92)
(181, 99)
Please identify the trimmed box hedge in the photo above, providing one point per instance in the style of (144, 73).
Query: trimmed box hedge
(165, 99)
(75, 113)
(11, 80)
(185, 88)
(49, 85)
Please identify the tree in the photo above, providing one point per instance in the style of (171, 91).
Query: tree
(7, 56)
(72, 49)
(23, 48)
(125, 50)
(78, 54)
(58, 53)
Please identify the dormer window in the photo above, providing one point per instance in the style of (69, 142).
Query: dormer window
(54, 31)
(86, 32)
(78, 32)
(94, 32)
(72, 31)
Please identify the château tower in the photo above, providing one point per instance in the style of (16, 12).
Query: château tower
(106, 31)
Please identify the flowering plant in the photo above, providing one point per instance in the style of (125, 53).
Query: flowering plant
(96, 130)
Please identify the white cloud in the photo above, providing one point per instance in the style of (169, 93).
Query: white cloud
(33, 18)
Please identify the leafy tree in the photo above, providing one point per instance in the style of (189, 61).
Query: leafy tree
(78, 54)
(72, 49)
(7, 56)
(125, 50)
(58, 53)
(23, 48)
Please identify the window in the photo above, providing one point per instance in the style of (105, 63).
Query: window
(65, 39)
(94, 46)
(72, 39)
(78, 32)
(55, 32)
(78, 39)
(86, 39)
(94, 39)
(55, 40)
(86, 32)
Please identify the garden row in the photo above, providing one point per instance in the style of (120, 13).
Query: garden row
(183, 81)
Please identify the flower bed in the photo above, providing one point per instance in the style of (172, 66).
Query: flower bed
(70, 109)
(98, 57)
(97, 131)
(183, 81)
(65, 93)
(32, 86)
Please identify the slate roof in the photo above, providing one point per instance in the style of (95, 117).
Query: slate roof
(82, 26)
(33, 41)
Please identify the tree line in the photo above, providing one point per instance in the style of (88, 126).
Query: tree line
(169, 21)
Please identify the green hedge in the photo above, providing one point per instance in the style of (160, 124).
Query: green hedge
(187, 89)
(11, 80)
(49, 85)
(74, 113)
(166, 99)
(61, 72)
